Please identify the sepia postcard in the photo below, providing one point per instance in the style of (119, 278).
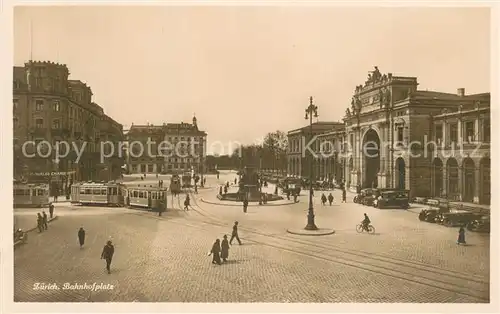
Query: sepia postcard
(297, 157)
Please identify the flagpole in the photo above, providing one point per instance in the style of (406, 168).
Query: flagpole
(31, 40)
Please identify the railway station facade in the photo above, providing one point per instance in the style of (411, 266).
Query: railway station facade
(434, 144)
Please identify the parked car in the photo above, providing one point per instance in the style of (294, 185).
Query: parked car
(457, 218)
(364, 193)
(393, 198)
(481, 224)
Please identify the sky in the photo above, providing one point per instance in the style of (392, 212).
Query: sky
(247, 71)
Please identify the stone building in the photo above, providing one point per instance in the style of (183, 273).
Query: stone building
(431, 143)
(183, 148)
(139, 159)
(297, 156)
(49, 108)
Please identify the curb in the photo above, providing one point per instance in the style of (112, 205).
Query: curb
(239, 204)
(17, 243)
(316, 233)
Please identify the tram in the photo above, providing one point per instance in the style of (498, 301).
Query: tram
(186, 180)
(31, 195)
(151, 198)
(175, 185)
(93, 193)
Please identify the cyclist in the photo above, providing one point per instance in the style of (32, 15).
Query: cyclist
(366, 221)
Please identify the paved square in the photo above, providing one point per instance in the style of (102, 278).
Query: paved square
(165, 258)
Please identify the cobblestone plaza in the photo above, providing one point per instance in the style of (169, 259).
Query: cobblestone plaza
(164, 259)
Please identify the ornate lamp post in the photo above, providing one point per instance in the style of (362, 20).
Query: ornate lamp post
(311, 111)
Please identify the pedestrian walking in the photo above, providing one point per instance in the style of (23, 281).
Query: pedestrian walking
(461, 235)
(81, 236)
(186, 202)
(39, 222)
(276, 190)
(344, 195)
(245, 205)
(235, 180)
(44, 220)
(204, 181)
(224, 253)
(323, 199)
(225, 189)
(234, 234)
(330, 199)
(107, 254)
(220, 190)
(51, 210)
(215, 252)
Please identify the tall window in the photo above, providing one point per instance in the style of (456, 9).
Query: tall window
(486, 130)
(16, 122)
(39, 123)
(39, 105)
(439, 133)
(469, 131)
(453, 132)
(56, 124)
(15, 103)
(56, 106)
(400, 134)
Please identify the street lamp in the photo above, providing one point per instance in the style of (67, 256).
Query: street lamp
(311, 111)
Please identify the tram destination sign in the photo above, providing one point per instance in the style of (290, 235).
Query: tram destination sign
(54, 173)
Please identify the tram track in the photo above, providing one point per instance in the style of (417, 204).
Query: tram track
(410, 271)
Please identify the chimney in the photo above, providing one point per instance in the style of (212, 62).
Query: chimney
(461, 92)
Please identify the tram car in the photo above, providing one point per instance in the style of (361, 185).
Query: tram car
(186, 180)
(103, 194)
(31, 195)
(150, 198)
(175, 185)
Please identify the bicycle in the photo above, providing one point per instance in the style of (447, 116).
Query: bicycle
(359, 228)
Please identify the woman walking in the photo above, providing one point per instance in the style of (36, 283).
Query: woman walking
(461, 236)
(81, 236)
(215, 252)
(224, 254)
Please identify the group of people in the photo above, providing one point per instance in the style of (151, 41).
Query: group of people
(42, 219)
(220, 250)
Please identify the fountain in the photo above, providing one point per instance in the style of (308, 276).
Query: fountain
(249, 188)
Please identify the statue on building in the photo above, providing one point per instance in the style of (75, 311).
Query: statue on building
(376, 74)
(347, 112)
(28, 78)
(387, 97)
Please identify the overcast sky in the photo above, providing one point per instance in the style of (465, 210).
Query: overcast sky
(246, 71)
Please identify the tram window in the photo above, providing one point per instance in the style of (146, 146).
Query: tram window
(104, 191)
(153, 195)
(82, 191)
(96, 191)
(40, 192)
(88, 191)
(162, 195)
(136, 194)
(114, 191)
(141, 194)
(119, 191)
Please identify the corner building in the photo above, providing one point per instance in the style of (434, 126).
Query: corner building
(48, 106)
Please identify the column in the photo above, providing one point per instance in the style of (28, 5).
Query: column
(445, 180)
(477, 182)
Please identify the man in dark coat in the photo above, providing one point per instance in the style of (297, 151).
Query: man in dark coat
(51, 210)
(344, 195)
(81, 236)
(224, 254)
(234, 234)
(44, 219)
(330, 199)
(107, 254)
(215, 252)
(39, 222)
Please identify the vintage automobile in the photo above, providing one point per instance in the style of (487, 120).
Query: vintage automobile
(481, 224)
(435, 208)
(393, 199)
(457, 218)
(364, 193)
